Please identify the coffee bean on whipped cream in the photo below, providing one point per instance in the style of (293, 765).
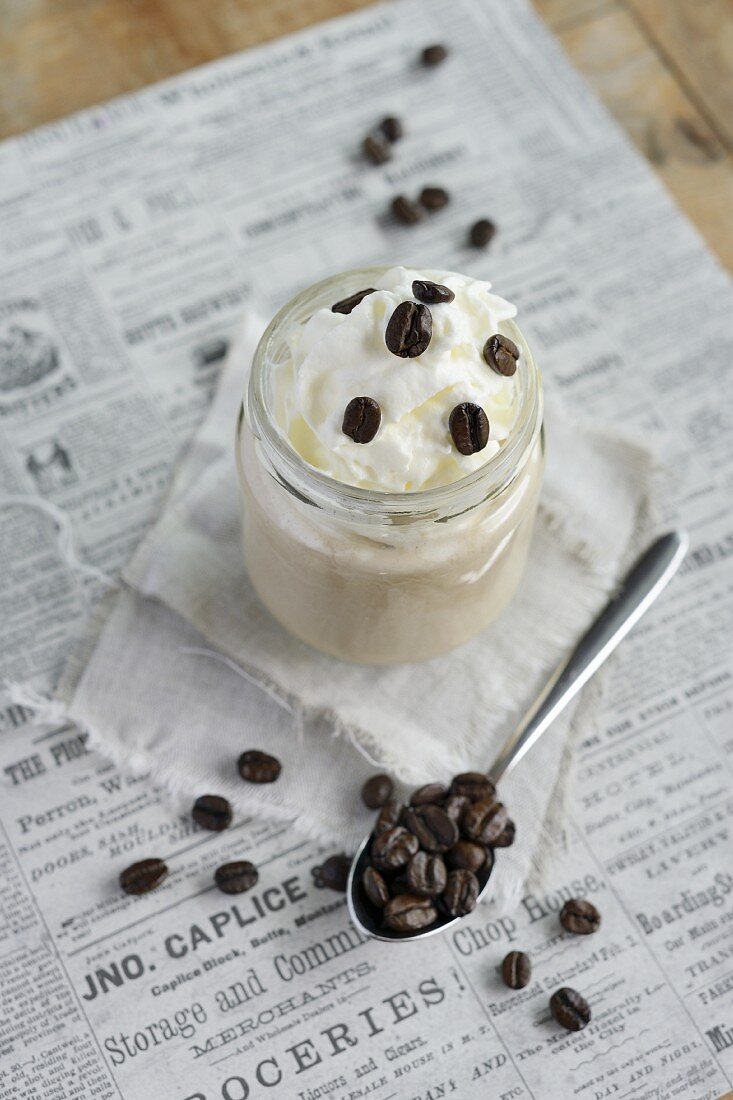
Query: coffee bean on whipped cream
(469, 428)
(376, 151)
(431, 293)
(434, 198)
(346, 305)
(481, 233)
(391, 127)
(434, 55)
(409, 330)
(405, 210)
(376, 791)
(501, 354)
(362, 418)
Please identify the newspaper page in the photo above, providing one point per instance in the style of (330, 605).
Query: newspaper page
(131, 237)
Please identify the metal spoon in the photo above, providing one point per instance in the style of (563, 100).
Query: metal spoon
(636, 593)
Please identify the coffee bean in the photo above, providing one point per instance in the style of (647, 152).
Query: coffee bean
(426, 875)
(433, 828)
(460, 894)
(431, 792)
(362, 418)
(469, 428)
(347, 305)
(144, 876)
(333, 873)
(507, 837)
(236, 877)
(211, 811)
(484, 821)
(570, 1009)
(375, 150)
(409, 330)
(409, 913)
(406, 211)
(392, 128)
(432, 293)
(454, 806)
(481, 233)
(375, 887)
(472, 785)
(580, 916)
(258, 767)
(376, 791)
(394, 848)
(501, 354)
(434, 198)
(468, 856)
(516, 969)
(434, 55)
(389, 816)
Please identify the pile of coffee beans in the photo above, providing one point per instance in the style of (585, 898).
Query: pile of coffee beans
(212, 812)
(426, 856)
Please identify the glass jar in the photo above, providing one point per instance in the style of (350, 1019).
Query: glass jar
(382, 577)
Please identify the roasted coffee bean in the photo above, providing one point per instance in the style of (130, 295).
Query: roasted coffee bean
(378, 152)
(397, 884)
(516, 969)
(409, 330)
(236, 877)
(375, 887)
(432, 827)
(211, 811)
(426, 875)
(434, 55)
(454, 806)
(507, 837)
(570, 1009)
(392, 128)
(409, 913)
(394, 848)
(501, 354)
(431, 792)
(405, 210)
(389, 816)
(258, 767)
(472, 785)
(481, 233)
(469, 428)
(347, 305)
(362, 418)
(431, 293)
(376, 791)
(580, 916)
(434, 198)
(144, 876)
(333, 873)
(484, 821)
(460, 894)
(466, 855)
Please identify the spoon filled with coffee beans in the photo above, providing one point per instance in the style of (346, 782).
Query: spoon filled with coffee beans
(428, 862)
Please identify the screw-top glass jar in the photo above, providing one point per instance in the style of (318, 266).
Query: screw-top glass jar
(372, 576)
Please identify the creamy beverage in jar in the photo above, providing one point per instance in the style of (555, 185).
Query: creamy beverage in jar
(390, 458)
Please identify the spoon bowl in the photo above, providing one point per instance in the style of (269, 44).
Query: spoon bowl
(634, 596)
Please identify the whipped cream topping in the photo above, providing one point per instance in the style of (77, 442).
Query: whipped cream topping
(334, 358)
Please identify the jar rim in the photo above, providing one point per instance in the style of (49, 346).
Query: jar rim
(315, 487)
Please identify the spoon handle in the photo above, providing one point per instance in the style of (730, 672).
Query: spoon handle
(635, 594)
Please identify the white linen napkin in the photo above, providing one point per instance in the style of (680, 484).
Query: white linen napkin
(189, 669)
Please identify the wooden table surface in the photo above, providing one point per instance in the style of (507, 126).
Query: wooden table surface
(663, 67)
